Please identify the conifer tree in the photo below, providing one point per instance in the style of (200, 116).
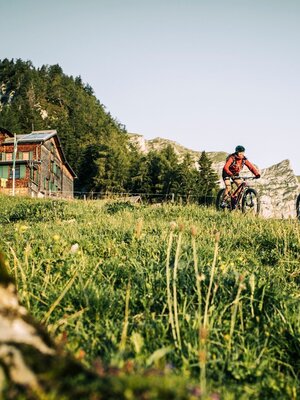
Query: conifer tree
(188, 177)
(207, 179)
(169, 171)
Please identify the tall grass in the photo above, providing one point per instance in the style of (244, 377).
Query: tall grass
(225, 308)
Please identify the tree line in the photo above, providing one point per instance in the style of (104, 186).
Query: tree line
(96, 145)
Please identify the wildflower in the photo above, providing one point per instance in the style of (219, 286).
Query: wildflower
(181, 227)
(74, 248)
(193, 230)
(80, 354)
(56, 237)
(203, 334)
(22, 228)
(227, 337)
(196, 392)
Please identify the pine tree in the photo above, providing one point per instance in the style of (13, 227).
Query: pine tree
(188, 177)
(170, 171)
(207, 180)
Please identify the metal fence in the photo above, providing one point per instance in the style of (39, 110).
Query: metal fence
(148, 198)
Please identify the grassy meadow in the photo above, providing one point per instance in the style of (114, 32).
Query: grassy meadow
(209, 302)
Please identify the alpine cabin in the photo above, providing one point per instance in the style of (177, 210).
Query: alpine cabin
(34, 165)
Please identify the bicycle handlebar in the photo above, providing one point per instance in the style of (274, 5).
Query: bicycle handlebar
(244, 177)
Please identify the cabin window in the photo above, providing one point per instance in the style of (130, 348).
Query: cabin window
(4, 171)
(20, 172)
(2, 156)
(27, 155)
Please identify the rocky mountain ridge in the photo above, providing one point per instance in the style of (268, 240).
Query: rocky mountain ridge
(278, 187)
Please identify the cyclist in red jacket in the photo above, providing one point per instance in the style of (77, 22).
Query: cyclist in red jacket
(232, 168)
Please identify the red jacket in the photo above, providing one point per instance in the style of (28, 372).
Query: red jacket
(234, 165)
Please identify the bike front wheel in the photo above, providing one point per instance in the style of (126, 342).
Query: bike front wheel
(250, 202)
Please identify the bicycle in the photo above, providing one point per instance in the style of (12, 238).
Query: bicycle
(243, 198)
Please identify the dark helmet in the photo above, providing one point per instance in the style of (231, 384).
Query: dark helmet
(239, 149)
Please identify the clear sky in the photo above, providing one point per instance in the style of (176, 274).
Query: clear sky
(209, 74)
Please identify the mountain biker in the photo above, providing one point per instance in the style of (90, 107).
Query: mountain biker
(232, 168)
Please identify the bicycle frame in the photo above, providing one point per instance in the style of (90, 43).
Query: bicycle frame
(237, 195)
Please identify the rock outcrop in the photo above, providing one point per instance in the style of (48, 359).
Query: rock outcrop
(278, 187)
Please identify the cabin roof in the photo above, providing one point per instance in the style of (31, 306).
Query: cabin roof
(34, 136)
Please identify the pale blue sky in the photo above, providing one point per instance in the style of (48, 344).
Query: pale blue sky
(209, 74)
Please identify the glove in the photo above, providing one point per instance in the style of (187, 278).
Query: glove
(257, 176)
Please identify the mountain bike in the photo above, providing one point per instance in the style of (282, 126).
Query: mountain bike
(242, 198)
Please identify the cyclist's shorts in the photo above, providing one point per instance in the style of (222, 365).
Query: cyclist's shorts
(225, 176)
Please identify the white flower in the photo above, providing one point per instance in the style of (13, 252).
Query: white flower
(74, 248)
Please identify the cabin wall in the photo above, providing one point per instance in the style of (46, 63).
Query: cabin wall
(45, 172)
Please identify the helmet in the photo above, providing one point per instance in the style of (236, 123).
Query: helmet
(239, 149)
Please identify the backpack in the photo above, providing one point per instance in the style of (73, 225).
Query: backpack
(234, 159)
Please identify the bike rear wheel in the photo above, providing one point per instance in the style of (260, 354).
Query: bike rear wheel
(220, 201)
(250, 202)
